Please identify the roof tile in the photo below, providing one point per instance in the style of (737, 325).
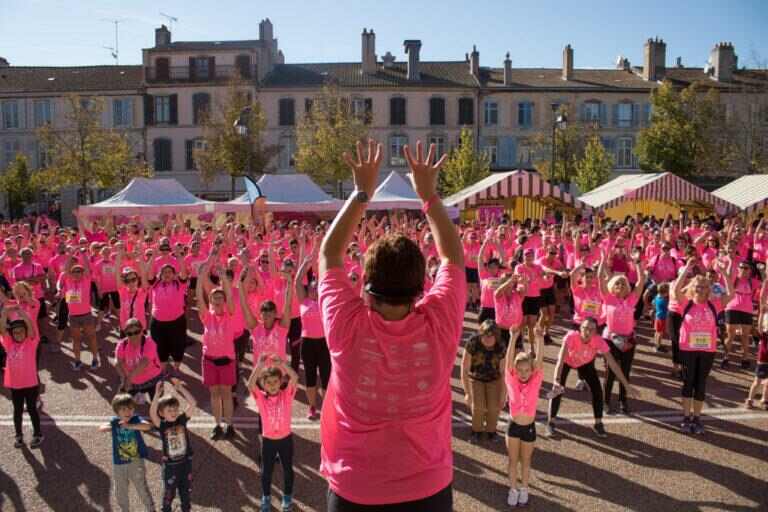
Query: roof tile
(69, 79)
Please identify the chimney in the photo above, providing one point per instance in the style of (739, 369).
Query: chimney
(388, 60)
(369, 51)
(654, 59)
(412, 48)
(4, 63)
(162, 36)
(723, 60)
(567, 62)
(474, 62)
(266, 32)
(622, 63)
(679, 62)
(507, 70)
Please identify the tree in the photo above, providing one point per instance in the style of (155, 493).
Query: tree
(595, 167)
(84, 154)
(224, 150)
(330, 128)
(685, 135)
(18, 186)
(464, 166)
(569, 148)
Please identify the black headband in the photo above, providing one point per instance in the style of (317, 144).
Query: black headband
(395, 293)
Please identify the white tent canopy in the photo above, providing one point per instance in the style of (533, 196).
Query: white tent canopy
(749, 193)
(150, 196)
(396, 193)
(286, 193)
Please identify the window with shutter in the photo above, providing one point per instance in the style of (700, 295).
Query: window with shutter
(591, 112)
(286, 112)
(243, 65)
(436, 111)
(525, 114)
(162, 152)
(199, 68)
(635, 114)
(368, 110)
(397, 111)
(439, 142)
(122, 112)
(201, 103)
(624, 152)
(490, 113)
(396, 144)
(42, 113)
(307, 105)
(162, 109)
(466, 111)
(646, 114)
(162, 69)
(624, 115)
(10, 110)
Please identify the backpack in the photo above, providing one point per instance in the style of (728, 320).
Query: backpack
(709, 303)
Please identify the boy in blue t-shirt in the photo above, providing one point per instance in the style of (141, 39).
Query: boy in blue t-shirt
(128, 452)
(660, 307)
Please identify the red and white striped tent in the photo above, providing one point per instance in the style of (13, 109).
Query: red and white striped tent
(748, 193)
(509, 184)
(662, 188)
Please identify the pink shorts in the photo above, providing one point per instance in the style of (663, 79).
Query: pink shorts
(214, 375)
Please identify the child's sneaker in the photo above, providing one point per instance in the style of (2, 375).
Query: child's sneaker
(19, 442)
(522, 500)
(95, 363)
(229, 432)
(76, 365)
(696, 426)
(216, 433)
(36, 441)
(580, 385)
(266, 504)
(685, 426)
(513, 497)
(287, 503)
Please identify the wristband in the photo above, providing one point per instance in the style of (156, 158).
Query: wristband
(428, 204)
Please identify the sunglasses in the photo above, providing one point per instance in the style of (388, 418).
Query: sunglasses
(133, 332)
(130, 280)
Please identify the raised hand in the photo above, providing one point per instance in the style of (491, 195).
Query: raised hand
(423, 171)
(365, 171)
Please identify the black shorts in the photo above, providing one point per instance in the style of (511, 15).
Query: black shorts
(62, 315)
(531, 306)
(439, 502)
(473, 276)
(526, 433)
(170, 337)
(241, 345)
(561, 282)
(761, 372)
(548, 297)
(317, 359)
(106, 298)
(193, 283)
(738, 317)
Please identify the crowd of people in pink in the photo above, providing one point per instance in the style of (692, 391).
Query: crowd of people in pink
(365, 315)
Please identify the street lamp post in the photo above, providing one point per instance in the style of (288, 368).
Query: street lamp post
(559, 120)
(241, 128)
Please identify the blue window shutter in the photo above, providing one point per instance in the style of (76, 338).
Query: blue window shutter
(646, 114)
(512, 151)
(608, 144)
(502, 152)
(520, 115)
(615, 114)
(603, 114)
(583, 112)
(531, 114)
(635, 114)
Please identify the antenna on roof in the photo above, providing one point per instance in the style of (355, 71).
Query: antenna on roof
(170, 19)
(116, 49)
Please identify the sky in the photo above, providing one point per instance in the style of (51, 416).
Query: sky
(64, 33)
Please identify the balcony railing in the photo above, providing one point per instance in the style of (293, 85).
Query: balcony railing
(187, 74)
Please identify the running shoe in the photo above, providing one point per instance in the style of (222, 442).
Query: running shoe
(287, 504)
(724, 363)
(474, 438)
(522, 500)
(76, 365)
(581, 385)
(685, 426)
(550, 430)
(36, 441)
(19, 442)
(599, 430)
(624, 406)
(96, 363)
(229, 432)
(491, 437)
(216, 433)
(513, 497)
(696, 426)
(266, 504)
(661, 349)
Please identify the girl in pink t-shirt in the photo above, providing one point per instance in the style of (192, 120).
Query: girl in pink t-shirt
(739, 313)
(587, 301)
(219, 373)
(168, 324)
(275, 401)
(508, 303)
(75, 290)
(314, 349)
(137, 362)
(20, 341)
(523, 377)
(268, 335)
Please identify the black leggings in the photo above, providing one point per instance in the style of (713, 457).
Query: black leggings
(294, 342)
(624, 360)
(29, 396)
(675, 323)
(314, 353)
(696, 368)
(171, 338)
(271, 449)
(439, 502)
(588, 374)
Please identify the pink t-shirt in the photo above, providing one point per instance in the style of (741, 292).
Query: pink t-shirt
(159, 262)
(578, 353)
(270, 341)
(471, 252)
(588, 304)
(534, 273)
(699, 329)
(386, 422)
(620, 313)
(523, 396)
(133, 304)
(488, 284)
(106, 275)
(279, 287)
(193, 262)
(275, 412)
(311, 321)
(744, 291)
(20, 363)
(22, 272)
(131, 355)
(509, 310)
(168, 300)
(57, 263)
(662, 268)
(218, 335)
(77, 294)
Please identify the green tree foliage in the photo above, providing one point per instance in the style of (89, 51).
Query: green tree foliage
(82, 153)
(322, 135)
(464, 166)
(570, 142)
(17, 184)
(595, 167)
(223, 149)
(685, 136)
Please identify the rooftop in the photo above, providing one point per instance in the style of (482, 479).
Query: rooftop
(70, 79)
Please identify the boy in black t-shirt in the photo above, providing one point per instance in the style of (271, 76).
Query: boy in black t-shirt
(171, 420)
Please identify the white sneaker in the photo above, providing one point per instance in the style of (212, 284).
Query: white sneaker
(513, 497)
(580, 385)
(523, 498)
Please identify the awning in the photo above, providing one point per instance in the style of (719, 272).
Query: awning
(149, 196)
(748, 193)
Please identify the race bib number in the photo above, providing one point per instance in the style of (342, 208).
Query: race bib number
(74, 297)
(591, 307)
(108, 270)
(700, 340)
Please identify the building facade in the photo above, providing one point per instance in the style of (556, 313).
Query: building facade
(160, 102)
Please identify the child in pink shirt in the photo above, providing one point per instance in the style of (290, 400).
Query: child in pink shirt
(275, 400)
(137, 362)
(20, 341)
